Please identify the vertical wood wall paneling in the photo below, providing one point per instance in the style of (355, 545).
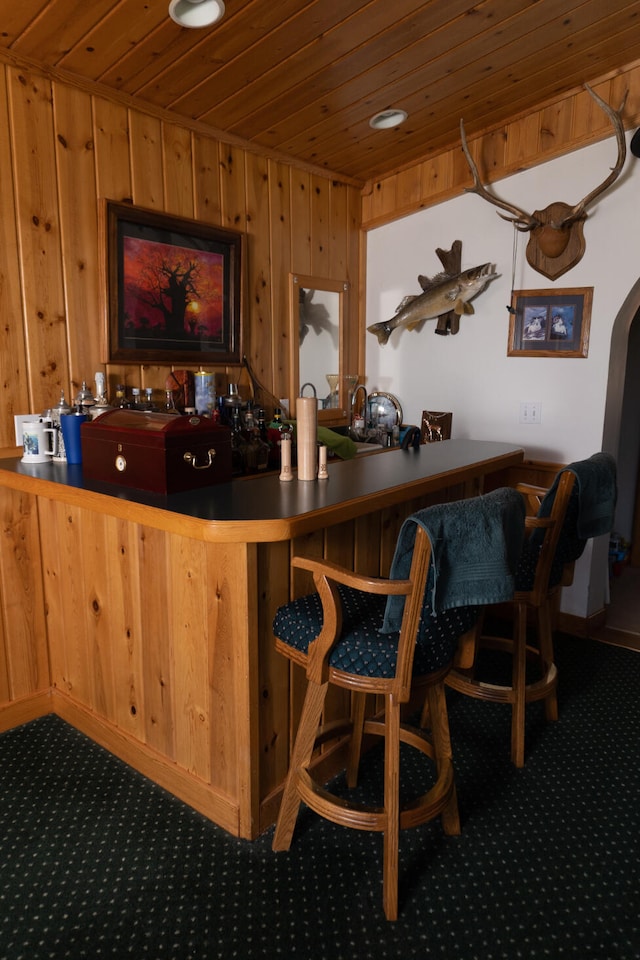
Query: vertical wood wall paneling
(113, 182)
(38, 224)
(206, 180)
(14, 385)
(61, 534)
(233, 202)
(24, 665)
(125, 622)
(79, 230)
(159, 722)
(320, 227)
(177, 162)
(148, 179)
(301, 260)
(234, 635)
(147, 174)
(187, 605)
(273, 704)
(356, 274)
(99, 631)
(258, 251)
(281, 224)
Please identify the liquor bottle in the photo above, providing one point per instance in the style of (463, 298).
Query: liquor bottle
(238, 446)
(121, 396)
(170, 404)
(256, 450)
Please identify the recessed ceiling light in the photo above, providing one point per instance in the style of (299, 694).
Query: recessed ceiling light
(387, 119)
(196, 13)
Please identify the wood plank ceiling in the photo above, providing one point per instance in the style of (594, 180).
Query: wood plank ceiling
(302, 79)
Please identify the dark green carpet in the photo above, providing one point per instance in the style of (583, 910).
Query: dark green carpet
(96, 862)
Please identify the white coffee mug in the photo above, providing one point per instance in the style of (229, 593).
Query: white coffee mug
(38, 441)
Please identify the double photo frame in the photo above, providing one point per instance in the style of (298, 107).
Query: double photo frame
(550, 323)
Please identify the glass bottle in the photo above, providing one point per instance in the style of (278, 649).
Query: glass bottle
(170, 404)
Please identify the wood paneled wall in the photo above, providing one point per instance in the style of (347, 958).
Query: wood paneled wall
(556, 128)
(61, 150)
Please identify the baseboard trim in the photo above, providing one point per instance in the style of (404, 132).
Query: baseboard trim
(24, 710)
(182, 784)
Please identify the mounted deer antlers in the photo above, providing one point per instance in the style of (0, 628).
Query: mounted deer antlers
(557, 240)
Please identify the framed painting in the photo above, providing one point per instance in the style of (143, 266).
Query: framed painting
(173, 288)
(550, 323)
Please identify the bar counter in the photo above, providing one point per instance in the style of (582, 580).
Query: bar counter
(145, 621)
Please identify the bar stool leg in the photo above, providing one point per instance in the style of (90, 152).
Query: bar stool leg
(547, 657)
(355, 746)
(441, 739)
(302, 750)
(518, 685)
(391, 836)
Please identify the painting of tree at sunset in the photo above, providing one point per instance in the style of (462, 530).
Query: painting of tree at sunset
(173, 287)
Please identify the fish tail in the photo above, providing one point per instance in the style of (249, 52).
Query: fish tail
(382, 331)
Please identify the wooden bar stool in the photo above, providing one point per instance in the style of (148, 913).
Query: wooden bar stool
(580, 504)
(385, 637)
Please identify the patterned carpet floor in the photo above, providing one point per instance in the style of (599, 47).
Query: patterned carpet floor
(97, 862)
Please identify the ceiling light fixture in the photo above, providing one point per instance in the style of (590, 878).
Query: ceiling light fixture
(196, 13)
(387, 119)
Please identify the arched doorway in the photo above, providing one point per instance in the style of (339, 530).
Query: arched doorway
(621, 437)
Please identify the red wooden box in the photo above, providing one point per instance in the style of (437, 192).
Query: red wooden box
(158, 452)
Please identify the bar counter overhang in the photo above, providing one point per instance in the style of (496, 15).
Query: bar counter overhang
(145, 621)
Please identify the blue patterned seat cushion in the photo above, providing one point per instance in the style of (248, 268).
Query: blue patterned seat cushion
(361, 648)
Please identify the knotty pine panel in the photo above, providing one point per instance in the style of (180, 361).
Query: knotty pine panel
(178, 170)
(14, 382)
(39, 242)
(282, 224)
(65, 150)
(24, 666)
(164, 646)
(112, 145)
(81, 268)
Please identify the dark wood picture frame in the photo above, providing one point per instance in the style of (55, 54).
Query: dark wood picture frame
(173, 288)
(550, 323)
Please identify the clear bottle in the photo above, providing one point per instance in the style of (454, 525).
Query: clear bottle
(147, 401)
(257, 450)
(170, 404)
(121, 396)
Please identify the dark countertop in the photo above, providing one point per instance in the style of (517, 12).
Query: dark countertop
(263, 508)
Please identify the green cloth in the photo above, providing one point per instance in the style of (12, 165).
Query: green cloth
(343, 447)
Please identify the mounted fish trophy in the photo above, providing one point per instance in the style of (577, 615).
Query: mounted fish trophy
(445, 296)
(556, 243)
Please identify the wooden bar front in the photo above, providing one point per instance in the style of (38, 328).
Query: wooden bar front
(145, 621)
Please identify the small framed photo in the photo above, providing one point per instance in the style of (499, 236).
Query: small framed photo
(550, 323)
(173, 288)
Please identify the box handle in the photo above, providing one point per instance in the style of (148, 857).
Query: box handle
(191, 458)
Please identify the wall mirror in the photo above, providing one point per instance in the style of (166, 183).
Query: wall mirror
(318, 309)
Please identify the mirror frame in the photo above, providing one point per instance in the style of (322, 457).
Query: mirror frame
(334, 415)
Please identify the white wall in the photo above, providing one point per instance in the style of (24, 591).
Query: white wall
(470, 373)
